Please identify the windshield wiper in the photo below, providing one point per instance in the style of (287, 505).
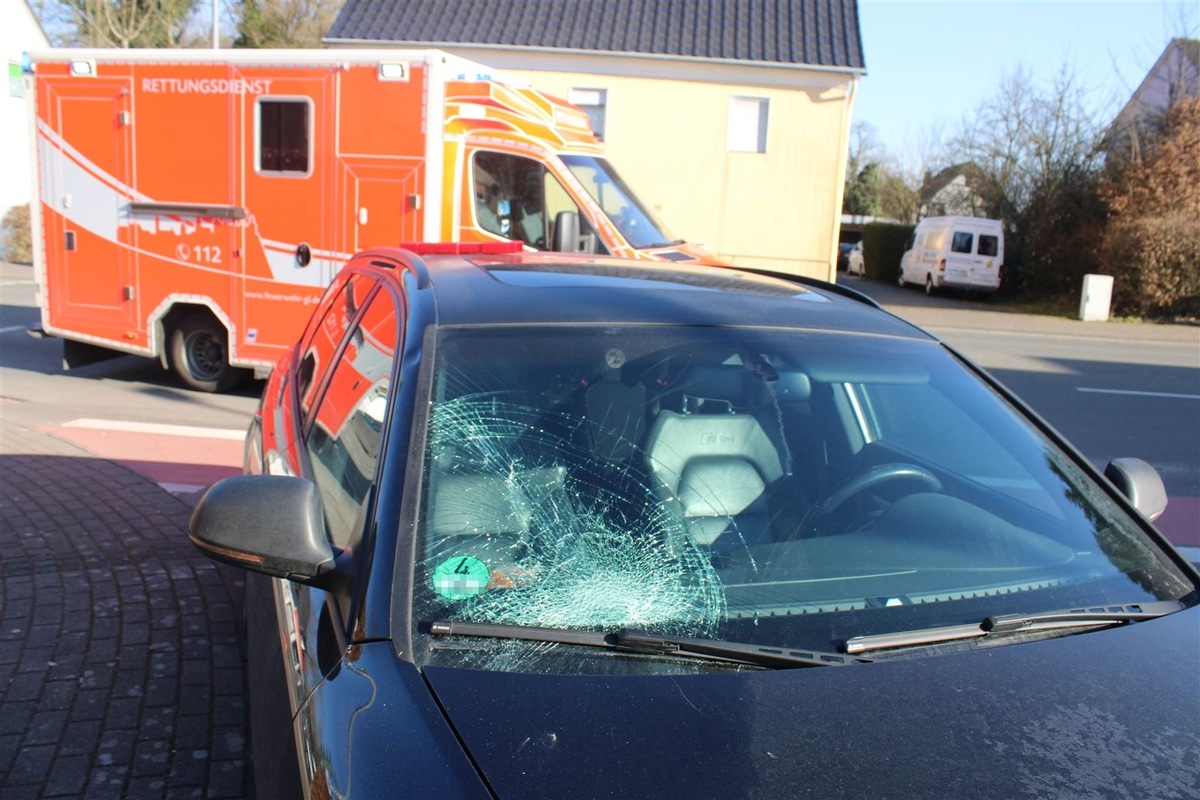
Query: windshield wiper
(1134, 612)
(1090, 616)
(630, 641)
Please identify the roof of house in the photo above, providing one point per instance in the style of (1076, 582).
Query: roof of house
(820, 33)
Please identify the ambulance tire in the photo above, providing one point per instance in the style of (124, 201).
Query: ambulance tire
(199, 354)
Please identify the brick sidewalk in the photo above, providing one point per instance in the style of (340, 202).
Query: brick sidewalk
(121, 665)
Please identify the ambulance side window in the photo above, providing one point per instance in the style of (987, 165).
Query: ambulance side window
(518, 198)
(284, 136)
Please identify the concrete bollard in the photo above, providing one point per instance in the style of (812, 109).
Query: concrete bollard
(1097, 298)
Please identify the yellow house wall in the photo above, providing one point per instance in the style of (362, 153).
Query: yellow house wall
(777, 210)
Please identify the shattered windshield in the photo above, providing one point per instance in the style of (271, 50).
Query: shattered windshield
(786, 488)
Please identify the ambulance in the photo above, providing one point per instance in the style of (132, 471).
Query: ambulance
(192, 205)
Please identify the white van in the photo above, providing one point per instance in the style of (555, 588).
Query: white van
(955, 253)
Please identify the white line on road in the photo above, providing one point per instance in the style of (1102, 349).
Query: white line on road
(153, 427)
(12, 328)
(1139, 394)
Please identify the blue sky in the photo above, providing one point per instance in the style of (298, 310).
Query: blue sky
(930, 63)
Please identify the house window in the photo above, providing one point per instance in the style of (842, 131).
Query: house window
(747, 125)
(962, 242)
(284, 143)
(592, 102)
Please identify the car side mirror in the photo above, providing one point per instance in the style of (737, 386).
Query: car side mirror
(1139, 482)
(266, 523)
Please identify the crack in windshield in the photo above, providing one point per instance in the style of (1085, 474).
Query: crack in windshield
(561, 538)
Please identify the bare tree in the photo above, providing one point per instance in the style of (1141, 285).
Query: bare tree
(119, 23)
(284, 23)
(1024, 140)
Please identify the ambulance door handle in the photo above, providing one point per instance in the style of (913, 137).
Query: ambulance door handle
(188, 209)
(362, 216)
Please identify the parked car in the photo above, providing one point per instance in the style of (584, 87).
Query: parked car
(955, 253)
(844, 249)
(854, 262)
(540, 525)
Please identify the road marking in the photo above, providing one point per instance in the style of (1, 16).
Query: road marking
(156, 428)
(12, 328)
(1139, 394)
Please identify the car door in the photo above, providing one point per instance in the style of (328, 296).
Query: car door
(960, 261)
(985, 273)
(340, 384)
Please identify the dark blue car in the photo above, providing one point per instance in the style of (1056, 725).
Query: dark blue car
(545, 526)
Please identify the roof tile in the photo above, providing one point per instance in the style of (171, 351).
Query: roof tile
(804, 32)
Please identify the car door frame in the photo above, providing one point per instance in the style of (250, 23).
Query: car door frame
(314, 627)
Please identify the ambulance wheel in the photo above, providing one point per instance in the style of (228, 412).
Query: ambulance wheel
(199, 354)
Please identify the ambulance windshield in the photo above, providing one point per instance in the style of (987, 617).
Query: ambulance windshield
(632, 218)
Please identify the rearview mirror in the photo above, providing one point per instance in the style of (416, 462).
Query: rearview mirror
(1141, 483)
(266, 523)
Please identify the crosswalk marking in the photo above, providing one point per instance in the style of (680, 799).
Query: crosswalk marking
(225, 434)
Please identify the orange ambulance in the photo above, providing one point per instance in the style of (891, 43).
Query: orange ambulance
(191, 205)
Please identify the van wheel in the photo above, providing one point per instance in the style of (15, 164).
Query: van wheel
(199, 354)
(929, 290)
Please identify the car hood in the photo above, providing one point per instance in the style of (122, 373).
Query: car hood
(1106, 713)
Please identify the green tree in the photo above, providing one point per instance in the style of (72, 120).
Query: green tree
(862, 192)
(898, 200)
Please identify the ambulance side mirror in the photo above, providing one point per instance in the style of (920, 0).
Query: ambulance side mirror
(566, 233)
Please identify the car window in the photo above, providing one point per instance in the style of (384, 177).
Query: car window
(962, 242)
(988, 245)
(753, 485)
(343, 444)
(322, 339)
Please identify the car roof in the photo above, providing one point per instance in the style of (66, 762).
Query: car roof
(557, 288)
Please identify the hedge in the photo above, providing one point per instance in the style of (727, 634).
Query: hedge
(883, 246)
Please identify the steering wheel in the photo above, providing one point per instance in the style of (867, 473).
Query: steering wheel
(873, 477)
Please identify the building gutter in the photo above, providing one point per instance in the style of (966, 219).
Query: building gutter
(376, 43)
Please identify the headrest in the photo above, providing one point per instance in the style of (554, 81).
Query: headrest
(718, 487)
(677, 439)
